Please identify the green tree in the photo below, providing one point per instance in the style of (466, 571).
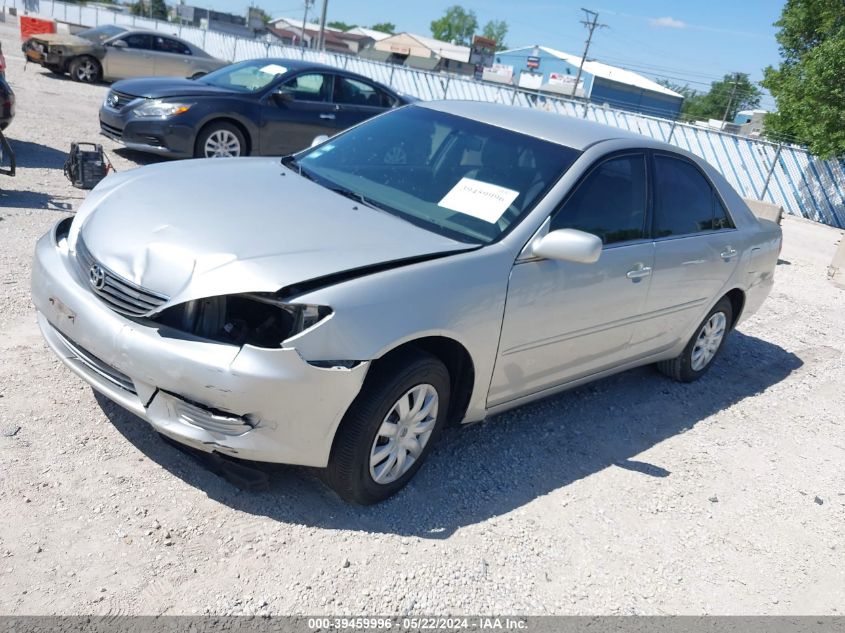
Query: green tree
(733, 93)
(808, 86)
(384, 27)
(153, 9)
(457, 25)
(685, 90)
(496, 30)
(343, 26)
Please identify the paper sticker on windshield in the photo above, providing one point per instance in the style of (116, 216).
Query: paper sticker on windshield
(274, 69)
(479, 199)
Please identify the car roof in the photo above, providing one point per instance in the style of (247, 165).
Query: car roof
(570, 131)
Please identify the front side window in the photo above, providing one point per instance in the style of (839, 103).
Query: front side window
(142, 41)
(451, 175)
(684, 200)
(610, 202)
(309, 87)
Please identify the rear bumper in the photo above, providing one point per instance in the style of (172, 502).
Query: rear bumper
(162, 137)
(257, 404)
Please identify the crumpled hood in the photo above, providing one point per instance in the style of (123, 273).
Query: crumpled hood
(65, 39)
(200, 228)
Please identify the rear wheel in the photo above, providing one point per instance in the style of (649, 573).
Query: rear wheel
(85, 69)
(220, 140)
(703, 347)
(390, 428)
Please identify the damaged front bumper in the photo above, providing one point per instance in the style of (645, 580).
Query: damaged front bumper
(253, 403)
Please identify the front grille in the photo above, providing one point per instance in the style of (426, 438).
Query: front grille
(120, 294)
(111, 131)
(97, 366)
(118, 100)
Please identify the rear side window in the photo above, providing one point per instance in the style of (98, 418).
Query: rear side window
(354, 92)
(610, 202)
(167, 45)
(684, 201)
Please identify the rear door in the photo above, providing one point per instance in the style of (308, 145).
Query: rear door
(133, 60)
(300, 109)
(564, 320)
(358, 100)
(696, 250)
(172, 57)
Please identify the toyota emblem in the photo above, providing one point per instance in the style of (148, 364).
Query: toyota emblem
(97, 276)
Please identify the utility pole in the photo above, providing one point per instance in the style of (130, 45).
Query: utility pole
(308, 4)
(321, 41)
(592, 25)
(730, 101)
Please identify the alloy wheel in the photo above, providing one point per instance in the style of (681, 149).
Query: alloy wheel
(222, 144)
(86, 71)
(403, 434)
(708, 340)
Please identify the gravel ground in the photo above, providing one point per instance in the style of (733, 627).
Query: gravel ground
(634, 495)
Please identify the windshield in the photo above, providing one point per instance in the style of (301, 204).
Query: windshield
(101, 33)
(454, 176)
(250, 76)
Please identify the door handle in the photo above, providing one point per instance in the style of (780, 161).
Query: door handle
(639, 272)
(325, 115)
(728, 252)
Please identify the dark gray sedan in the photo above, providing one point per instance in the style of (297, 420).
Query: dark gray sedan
(258, 107)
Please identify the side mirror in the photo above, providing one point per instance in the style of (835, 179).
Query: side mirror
(119, 44)
(569, 245)
(282, 97)
(319, 140)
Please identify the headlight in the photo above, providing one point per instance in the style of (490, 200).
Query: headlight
(161, 109)
(257, 319)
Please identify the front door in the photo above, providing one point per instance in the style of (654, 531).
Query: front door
(135, 59)
(300, 110)
(565, 320)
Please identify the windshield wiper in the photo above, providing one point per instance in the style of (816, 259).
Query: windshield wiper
(290, 162)
(357, 197)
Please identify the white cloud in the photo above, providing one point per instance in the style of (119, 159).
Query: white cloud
(668, 22)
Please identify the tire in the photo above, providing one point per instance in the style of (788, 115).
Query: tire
(85, 69)
(225, 136)
(354, 463)
(703, 348)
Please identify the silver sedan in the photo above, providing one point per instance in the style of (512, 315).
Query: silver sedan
(439, 263)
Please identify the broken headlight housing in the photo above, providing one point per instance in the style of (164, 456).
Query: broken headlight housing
(259, 319)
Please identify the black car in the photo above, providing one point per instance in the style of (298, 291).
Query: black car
(7, 103)
(259, 107)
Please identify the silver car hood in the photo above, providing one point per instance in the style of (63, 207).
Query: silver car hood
(200, 228)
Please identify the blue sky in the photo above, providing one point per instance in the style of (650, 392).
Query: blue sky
(687, 42)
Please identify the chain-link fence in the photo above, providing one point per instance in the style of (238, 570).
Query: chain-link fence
(783, 174)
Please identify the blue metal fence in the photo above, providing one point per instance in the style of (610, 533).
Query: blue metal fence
(783, 174)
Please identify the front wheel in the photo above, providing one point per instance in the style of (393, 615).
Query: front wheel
(390, 428)
(85, 69)
(703, 347)
(220, 140)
